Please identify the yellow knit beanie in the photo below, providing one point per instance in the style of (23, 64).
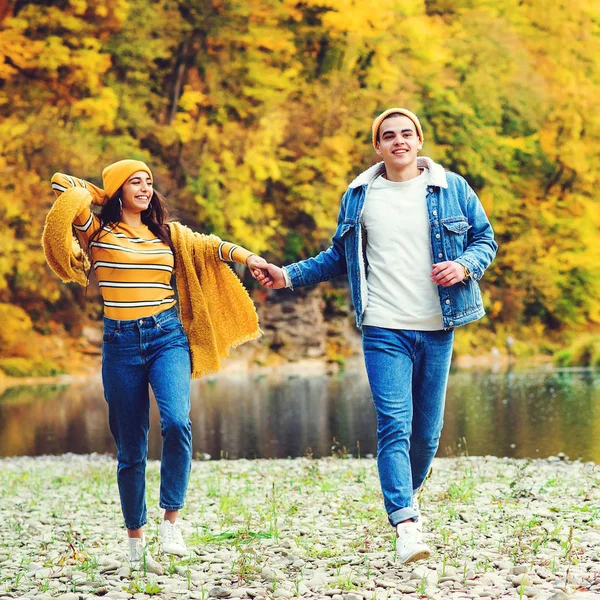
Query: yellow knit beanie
(115, 175)
(386, 113)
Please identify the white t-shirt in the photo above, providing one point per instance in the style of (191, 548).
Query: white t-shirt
(401, 293)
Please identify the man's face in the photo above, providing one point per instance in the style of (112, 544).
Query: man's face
(398, 142)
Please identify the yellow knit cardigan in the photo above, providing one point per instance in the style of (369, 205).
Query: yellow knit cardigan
(216, 311)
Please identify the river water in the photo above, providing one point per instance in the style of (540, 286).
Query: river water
(533, 413)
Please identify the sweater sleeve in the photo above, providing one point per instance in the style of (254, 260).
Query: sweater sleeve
(62, 182)
(230, 252)
(86, 222)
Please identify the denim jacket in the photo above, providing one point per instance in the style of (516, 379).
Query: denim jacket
(459, 231)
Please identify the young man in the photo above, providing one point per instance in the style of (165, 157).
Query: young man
(414, 241)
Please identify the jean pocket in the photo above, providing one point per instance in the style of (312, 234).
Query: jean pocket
(109, 336)
(170, 325)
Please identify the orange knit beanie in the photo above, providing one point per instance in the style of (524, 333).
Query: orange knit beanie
(115, 175)
(386, 113)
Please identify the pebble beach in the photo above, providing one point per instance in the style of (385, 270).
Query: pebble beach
(262, 529)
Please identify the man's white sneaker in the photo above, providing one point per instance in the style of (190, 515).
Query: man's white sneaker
(409, 543)
(171, 540)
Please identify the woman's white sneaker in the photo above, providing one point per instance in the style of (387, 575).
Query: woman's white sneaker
(140, 558)
(409, 543)
(137, 549)
(171, 540)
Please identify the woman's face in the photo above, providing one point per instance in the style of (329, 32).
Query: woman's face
(136, 192)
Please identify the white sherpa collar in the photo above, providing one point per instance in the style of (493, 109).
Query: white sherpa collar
(437, 175)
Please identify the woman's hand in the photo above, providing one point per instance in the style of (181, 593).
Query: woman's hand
(258, 268)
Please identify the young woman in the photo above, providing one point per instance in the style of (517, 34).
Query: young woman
(135, 252)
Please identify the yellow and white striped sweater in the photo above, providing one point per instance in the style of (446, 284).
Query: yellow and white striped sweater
(133, 267)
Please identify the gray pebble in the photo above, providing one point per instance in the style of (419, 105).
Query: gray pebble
(519, 569)
(219, 592)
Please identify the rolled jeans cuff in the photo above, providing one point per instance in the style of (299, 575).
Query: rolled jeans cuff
(170, 506)
(403, 514)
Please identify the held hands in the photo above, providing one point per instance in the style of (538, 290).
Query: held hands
(267, 274)
(444, 273)
(447, 273)
(272, 277)
(256, 264)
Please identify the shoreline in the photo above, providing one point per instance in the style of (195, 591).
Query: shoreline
(313, 528)
(304, 367)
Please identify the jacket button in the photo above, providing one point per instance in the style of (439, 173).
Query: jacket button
(437, 236)
(440, 255)
(451, 323)
(435, 213)
(447, 301)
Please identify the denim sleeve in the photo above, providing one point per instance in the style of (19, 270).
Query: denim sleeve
(481, 246)
(327, 264)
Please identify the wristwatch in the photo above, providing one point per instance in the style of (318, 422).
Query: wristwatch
(467, 271)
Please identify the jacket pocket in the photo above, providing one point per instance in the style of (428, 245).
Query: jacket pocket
(346, 227)
(455, 235)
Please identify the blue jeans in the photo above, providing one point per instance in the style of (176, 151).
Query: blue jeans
(153, 350)
(408, 373)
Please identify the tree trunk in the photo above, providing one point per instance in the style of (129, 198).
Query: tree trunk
(180, 73)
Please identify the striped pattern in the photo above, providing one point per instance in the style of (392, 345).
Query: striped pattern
(96, 244)
(133, 270)
(134, 284)
(128, 266)
(133, 266)
(140, 304)
(134, 240)
(85, 225)
(232, 252)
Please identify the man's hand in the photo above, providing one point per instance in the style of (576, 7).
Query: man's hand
(447, 273)
(272, 277)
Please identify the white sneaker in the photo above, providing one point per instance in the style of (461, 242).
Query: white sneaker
(409, 543)
(137, 549)
(171, 540)
(140, 558)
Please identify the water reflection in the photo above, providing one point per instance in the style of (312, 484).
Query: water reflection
(524, 414)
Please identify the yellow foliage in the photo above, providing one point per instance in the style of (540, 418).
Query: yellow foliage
(255, 115)
(190, 99)
(99, 112)
(16, 324)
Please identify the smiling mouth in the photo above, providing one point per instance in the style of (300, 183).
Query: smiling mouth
(400, 152)
(145, 198)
